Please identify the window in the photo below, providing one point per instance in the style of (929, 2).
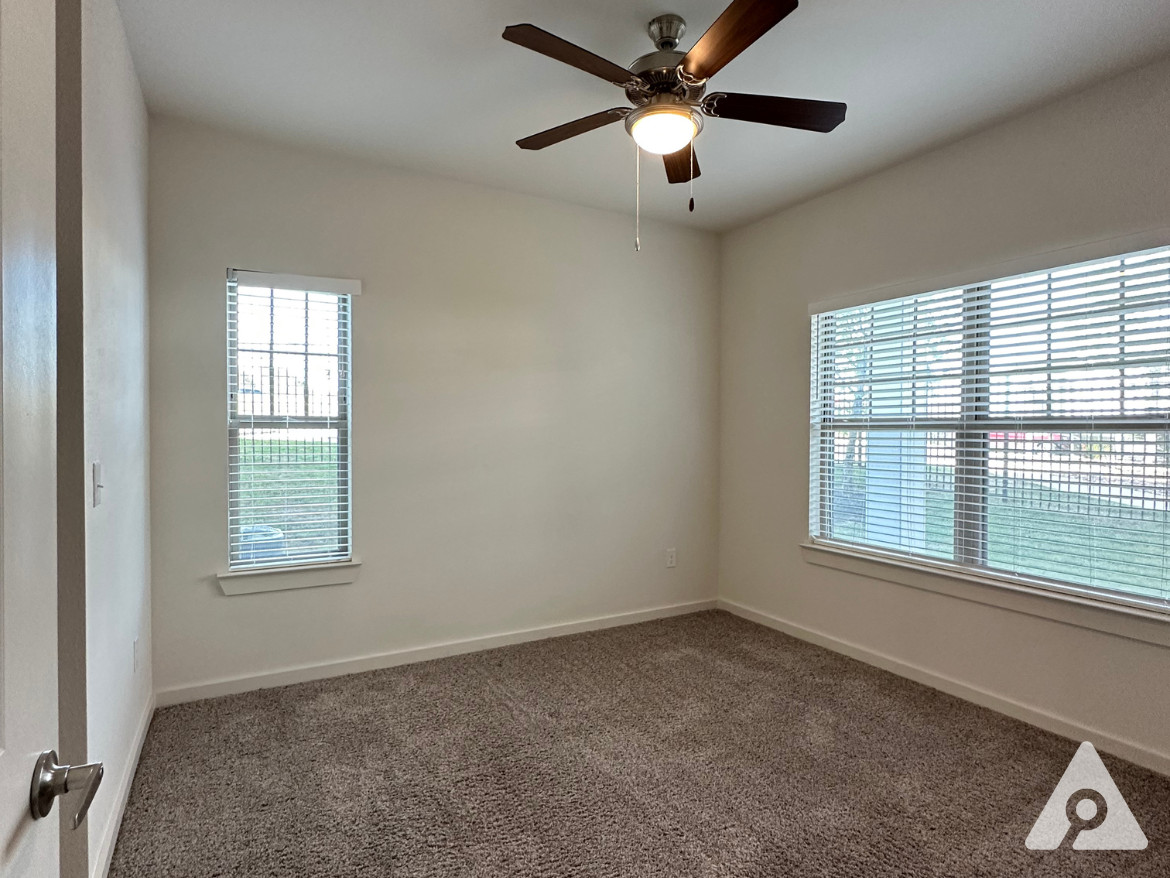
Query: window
(288, 420)
(1020, 427)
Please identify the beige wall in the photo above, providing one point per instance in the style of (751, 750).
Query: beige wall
(1090, 167)
(535, 405)
(117, 539)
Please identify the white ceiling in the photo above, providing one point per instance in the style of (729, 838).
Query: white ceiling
(429, 85)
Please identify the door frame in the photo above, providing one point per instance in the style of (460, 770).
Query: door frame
(72, 475)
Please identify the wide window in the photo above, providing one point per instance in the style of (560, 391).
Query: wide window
(1020, 426)
(288, 420)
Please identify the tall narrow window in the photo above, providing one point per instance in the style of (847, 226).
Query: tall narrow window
(1019, 426)
(288, 419)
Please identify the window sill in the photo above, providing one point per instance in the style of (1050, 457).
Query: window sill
(1005, 592)
(284, 578)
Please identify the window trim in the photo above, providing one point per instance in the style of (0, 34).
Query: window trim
(285, 577)
(873, 560)
(246, 579)
(339, 286)
(1004, 591)
(1086, 251)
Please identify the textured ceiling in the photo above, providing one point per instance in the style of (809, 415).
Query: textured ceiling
(430, 86)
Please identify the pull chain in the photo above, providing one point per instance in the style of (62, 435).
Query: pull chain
(691, 182)
(637, 198)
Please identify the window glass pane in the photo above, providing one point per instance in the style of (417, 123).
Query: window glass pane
(893, 489)
(289, 319)
(323, 386)
(322, 317)
(288, 373)
(254, 395)
(287, 496)
(254, 318)
(1147, 389)
(1082, 507)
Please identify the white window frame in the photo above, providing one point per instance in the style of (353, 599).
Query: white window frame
(247, 577)
(1017, 591)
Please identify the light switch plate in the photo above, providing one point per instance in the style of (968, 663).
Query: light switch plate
(97, 483)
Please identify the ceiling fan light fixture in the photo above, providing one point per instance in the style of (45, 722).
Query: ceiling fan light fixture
(668, 87)
(663, 128)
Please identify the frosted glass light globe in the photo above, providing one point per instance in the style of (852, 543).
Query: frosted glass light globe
(663, 131)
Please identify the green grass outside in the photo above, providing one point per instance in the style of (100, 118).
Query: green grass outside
(292, 486)
(1062, 535)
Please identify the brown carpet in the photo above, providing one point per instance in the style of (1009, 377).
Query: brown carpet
(702, 745)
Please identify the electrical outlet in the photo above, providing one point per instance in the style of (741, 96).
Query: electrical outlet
(135, 654)
(672, 557)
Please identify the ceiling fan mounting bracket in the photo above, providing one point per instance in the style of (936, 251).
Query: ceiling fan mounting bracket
(711, 101)
(666, 30)
(689, 80)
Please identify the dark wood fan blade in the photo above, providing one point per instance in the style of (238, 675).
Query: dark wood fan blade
(790, 112)
(531, 37)
(740, 25)
(572, 129)
(678, 165)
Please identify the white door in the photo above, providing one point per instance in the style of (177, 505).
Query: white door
(28, 539)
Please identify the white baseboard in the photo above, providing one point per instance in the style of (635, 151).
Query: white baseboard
(305, 673)
(100, 860)
(1130, 750)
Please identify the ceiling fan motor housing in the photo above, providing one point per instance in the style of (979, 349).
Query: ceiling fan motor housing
(659, 71)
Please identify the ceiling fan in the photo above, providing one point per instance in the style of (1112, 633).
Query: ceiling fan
(668, 88)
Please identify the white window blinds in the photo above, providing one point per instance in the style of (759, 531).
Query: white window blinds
(1020, 426)
(288, 420)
